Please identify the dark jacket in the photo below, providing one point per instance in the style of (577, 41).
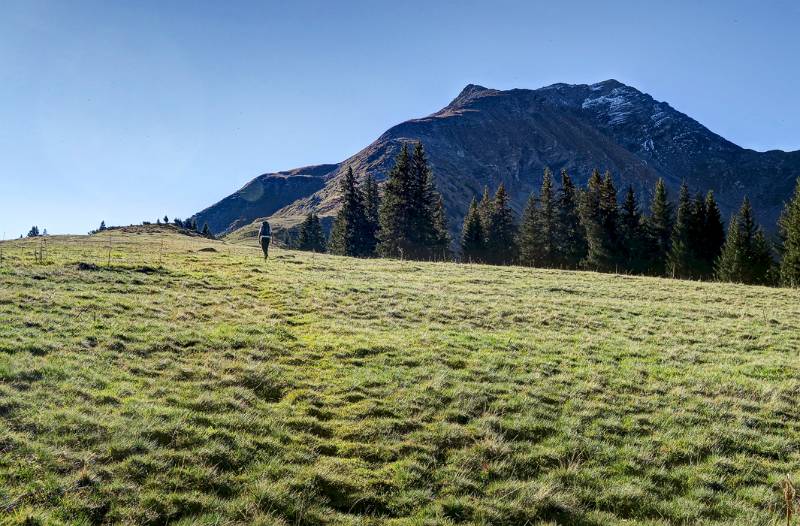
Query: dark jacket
(265, 230)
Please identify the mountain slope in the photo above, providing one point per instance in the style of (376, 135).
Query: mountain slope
(485, 136)
(261, 197)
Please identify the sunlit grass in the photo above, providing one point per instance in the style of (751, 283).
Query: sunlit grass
(175, 384)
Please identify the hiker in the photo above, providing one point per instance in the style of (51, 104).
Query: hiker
(264, 237)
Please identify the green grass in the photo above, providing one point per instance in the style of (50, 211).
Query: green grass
(216, 388)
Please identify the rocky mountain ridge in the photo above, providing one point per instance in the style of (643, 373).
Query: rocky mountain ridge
(486, 136)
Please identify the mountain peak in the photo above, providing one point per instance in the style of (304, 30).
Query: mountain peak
(610, 83)
(472, 88)
(467, 94)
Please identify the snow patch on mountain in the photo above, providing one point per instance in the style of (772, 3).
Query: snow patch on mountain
(617, 105)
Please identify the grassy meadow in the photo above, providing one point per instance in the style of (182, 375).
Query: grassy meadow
(148, 377)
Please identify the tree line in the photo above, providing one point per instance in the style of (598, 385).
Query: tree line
(408, 221)
(562, 226)
(592, 229)
(189, 224)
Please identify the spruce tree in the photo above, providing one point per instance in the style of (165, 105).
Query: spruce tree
(790, 247)
(746, 256)
(442, 238)
(680, 260)
(473, 239)
(166, 219)
(659, 229)
(34, 231)
(599, 215)
(206, 231)
(763, 265)
(371, 210)
(311, 237)
(394, 212)
(412, 218)
(546, 220)
(570, 233)
(631, 234)
(435, 243)
(697, 235)
(485, 209)
(591, 219)
(609, 206)
(501, 232)
(348, 236)
(712, 237)
(429, 224)
(102, 226)
(423, 194)
(538, 228)
(528, 239)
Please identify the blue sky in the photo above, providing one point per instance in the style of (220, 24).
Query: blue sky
(125, 111)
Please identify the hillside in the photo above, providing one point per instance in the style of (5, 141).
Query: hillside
(147, 378)
(485, 136)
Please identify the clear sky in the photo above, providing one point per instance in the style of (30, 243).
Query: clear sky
(129, 110)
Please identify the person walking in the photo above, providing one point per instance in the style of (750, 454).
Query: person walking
(264, 237)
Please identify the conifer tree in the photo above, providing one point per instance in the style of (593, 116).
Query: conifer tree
(423, 232)
(529, 237)
(763, 264)
(546, 220)
(631, 235)
(372, 212)
(680, 260)
(430, 239)
(610, 208)
(206, 231)
(697, 228)
(102, 226)
(473, 239)
(746, 256)
(437, 239)
(34, 231)
(485, 209)
(537, 240)
(789, 227)
(442, 233)
(599, 215)
(166, 219)
(311, 237)
(501, 232)
(659, 229)
(394, 212)
(348, 236)
(570, 233)
(591, 219)
(712, 237)
(409, 226)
